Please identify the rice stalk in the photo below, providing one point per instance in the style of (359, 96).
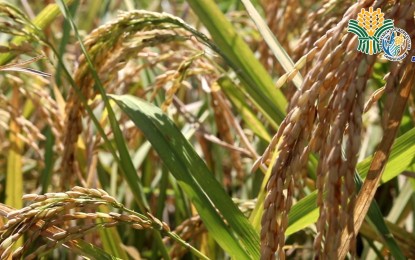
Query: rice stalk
(159, 58)
(68, 208)
(399, 92)
(193, 228)
(285, 19)
(337, 82)
(111, 47)
(26, 31)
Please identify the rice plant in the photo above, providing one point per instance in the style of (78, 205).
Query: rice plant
(205, 129)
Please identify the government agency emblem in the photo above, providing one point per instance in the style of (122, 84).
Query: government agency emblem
(395, 44)
(368, 27)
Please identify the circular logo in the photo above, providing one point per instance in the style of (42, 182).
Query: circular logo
(395, 44)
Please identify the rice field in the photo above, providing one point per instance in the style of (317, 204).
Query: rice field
(205, 129)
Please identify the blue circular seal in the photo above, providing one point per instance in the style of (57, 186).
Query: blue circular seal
(395, 44)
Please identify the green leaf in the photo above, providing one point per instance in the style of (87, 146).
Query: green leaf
(238, 100)
(124, 159)
(401, 157)
(89, 250)
(258, 83)
(256, 214)
(45, 17)
(111, 240)
(129, 173)
(46, 176)
(14, 175)
(194, 178)
(272, 42)
(305, 212)
(375, 218)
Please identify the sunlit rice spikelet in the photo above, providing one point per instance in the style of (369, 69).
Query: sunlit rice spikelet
(318, 23)
(329, 126)
(177, 78)
(55, 209)
(281, 16)
(337, 80)
(110, 47)
(31, 124)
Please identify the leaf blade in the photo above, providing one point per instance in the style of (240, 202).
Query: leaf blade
(257, 82)
(193, 176)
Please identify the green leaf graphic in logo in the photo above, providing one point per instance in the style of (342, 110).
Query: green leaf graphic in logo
(368, 27)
